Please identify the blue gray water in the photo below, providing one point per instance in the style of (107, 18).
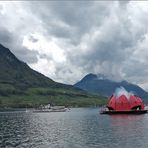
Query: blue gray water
(79, 128)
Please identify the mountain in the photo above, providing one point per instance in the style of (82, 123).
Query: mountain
(18, 73)
(100, 84)
(20, 86)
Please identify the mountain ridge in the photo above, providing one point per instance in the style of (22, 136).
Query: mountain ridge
(9, 62)
(21, 86)
(106, 87)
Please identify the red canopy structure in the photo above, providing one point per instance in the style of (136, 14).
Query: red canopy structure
(125, 103)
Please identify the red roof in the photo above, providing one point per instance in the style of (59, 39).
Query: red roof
(124, 103)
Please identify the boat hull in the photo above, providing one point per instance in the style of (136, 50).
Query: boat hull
(50, 110)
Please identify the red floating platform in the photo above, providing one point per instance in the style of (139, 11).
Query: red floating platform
(125, 112)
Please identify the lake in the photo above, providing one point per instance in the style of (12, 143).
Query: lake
(78, 128)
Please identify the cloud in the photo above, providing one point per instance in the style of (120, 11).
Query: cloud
(67, 39)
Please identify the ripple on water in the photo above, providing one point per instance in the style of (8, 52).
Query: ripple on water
(79, 128)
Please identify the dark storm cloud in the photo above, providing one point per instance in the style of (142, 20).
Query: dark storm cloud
(1, 7)
(109, 47)
(26, 55)
(93, 36)
(70, 19)
(108, 50)
(6, 37)
(13, 28)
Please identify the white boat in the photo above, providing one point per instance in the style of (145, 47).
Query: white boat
(49, 108)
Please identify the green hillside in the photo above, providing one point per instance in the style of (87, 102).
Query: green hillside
(20, 86)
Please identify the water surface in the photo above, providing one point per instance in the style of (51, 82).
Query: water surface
(79, 128)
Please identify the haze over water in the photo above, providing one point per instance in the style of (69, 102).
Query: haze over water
(79, 128)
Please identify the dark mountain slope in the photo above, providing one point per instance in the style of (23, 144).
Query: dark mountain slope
(21, 86)
(16, 72)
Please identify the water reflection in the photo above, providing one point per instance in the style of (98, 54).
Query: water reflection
(128, 130)
(79, 128)
(125, 120)
(13, 128)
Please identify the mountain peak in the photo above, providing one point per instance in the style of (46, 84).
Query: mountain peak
(124, 82)
(101, 76)
(90, 76)
(100, 84)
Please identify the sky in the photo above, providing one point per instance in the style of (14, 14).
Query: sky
(65, 40)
